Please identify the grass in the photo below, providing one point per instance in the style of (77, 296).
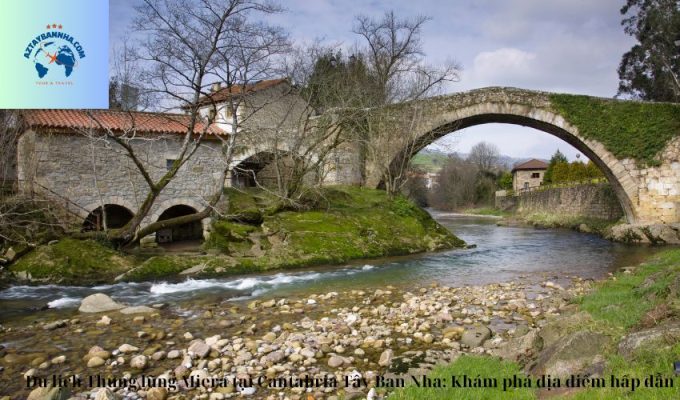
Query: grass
(473, 367)
(628, 129)
(617, 306)
(623, 304)
(72, 261)
(340, 224)
(491, 211)
(551, 220)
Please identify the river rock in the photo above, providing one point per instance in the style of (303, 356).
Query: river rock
(54, 325)
(556, 328)
(669, 332)
(199, 348)
(128, 348)
(519, 348)
(475, 336)
(172, 354)
(95, 362)
(386, 358)
(335, 361)
(10, 255)
(157, 393)
(59, 359)
(98, 302)
(275, 356)
(571, 354)
(105, 321)
(137, 310)
(269, 337)
(105, 394)
(49, 393)
(138, 362)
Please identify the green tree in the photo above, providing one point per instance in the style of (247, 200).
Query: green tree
(593, 172)
(561, 173)
(505, 180)
(578, 172)
(557, 158)
(650, 70)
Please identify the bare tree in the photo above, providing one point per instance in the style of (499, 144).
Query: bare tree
(395, 57)
(187, 48)
(485, 156)
(394, 52)
(302, 143)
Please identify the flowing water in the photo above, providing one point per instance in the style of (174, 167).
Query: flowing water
(502, 254)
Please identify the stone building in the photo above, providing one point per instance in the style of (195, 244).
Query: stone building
(528, 175)
(67, 156)
(64, 155)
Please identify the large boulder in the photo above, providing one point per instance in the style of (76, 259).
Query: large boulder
(99, 302)
(557, 327)
(640, 233)
(665, 332)
(475, 336)
(573, 354)
(519, 349)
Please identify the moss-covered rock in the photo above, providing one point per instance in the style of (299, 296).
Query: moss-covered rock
(338, 225)
(71, 261)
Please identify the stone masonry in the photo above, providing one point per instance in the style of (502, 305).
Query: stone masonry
(588, 200)
(648, 195)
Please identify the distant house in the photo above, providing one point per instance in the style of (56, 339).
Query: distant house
(528, 174)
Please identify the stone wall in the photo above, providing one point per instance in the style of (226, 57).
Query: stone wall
(90, 173)
(590, 201)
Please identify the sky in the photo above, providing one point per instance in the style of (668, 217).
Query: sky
(569, 46)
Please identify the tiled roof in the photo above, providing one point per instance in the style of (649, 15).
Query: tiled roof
(236, 90)
(143, 122)
(531, 164)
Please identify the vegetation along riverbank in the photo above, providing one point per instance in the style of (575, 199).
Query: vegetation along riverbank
(620, 329)
(255, 233)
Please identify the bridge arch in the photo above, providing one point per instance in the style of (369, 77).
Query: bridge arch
(434, 124)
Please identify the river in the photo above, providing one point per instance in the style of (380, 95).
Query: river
(502, 254)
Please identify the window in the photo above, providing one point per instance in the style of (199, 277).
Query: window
(168, 164)
(535, 174)
(526, 185)
(211, 114)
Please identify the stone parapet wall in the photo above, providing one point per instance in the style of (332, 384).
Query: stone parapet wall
(588, 200)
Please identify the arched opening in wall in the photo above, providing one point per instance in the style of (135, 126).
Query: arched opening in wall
(189, 232)
(111, 216)
(265, 169)
(495, 161)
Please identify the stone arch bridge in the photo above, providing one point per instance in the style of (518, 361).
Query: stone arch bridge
(635, 144)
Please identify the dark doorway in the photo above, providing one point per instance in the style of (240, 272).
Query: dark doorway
(190, 231)
(116, 217)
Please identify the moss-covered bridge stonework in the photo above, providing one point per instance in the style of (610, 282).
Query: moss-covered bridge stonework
(635, 144)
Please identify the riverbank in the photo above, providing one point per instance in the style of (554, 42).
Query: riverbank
(331, 336)
(621, 339)
(377, 338)
(255, 234)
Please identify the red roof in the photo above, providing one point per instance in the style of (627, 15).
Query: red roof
(531, 164)
(143, 122)
(236, 90)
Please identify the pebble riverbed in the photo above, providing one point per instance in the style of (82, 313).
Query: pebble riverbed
(224, 349)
